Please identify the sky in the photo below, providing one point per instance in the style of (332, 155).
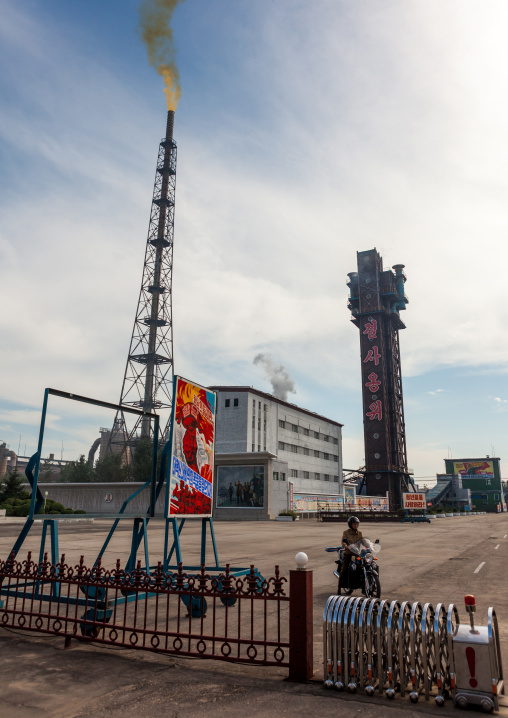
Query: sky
(306, 132)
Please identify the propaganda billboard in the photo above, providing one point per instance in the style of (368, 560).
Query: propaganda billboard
(192, 450)
(414, 501)
(317, 502)
(480, 469)
(240, 487)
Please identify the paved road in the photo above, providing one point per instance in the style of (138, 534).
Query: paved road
(438, 562)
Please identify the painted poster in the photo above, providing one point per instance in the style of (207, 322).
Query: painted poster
(192, 450)
(349, 496)
(316, 502)
(482, 469)
(240, 487)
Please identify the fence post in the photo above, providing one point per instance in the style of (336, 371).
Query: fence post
(301, 629)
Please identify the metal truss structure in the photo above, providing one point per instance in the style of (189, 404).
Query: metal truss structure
(148, 378)
(376, 299)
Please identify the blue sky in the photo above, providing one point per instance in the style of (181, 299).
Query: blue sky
(306, 132)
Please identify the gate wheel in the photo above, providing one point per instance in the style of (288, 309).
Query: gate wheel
(195, 605)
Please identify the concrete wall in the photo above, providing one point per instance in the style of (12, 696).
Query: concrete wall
(100, 498)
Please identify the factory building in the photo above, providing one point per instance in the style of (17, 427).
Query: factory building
(267, 450)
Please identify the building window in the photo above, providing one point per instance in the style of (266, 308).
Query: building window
(326, 456)
(306, 452)
(326, 477)
(326, 438)
(316, 454)
(336, 479)
(317, 476)
(275, 475)
(259, 423)
(235, 402)
(282, 476)
(294, 448)
(281, 445)
(316, 434)
(305, 474)
(259, 447)
(254, 404)
(306, 432)
(294, 474)
(335, 440)
(254, 423)
(264, 448)
(335, 458)
(252, 447)
(265, 407)
(496, 497)
(294, 427)
(282, 424)
(226, 403)
(259, 405)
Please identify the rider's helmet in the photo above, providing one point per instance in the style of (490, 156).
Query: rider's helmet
(352, 520)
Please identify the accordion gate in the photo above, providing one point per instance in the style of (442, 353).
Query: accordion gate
(378, 645)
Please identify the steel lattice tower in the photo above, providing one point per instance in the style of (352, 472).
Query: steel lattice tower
(375, 301)
(148, 379)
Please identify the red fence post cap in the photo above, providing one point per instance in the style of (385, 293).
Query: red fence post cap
(470, 600)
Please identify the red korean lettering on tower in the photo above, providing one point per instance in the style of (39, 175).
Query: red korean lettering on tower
(374, 383)
(371, 329)
(373, 355)
(376, 411)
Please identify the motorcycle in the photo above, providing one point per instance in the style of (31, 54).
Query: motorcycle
(363, 571)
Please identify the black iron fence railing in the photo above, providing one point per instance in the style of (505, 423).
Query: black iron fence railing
(219, 616)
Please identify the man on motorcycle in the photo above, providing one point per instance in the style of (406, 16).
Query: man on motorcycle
(350, 535)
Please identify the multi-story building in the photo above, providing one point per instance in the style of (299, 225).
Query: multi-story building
(483, 478)
(294, 445)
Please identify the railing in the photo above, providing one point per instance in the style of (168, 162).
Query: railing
(365, 515)
(219, 616)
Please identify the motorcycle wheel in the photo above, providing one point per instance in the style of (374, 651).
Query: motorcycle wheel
(344, 591)
(373, 589)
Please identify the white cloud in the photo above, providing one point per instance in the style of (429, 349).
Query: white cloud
(339, 128)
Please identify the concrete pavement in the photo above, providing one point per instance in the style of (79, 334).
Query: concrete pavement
(435, 562)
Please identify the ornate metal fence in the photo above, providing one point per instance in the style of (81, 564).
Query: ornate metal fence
(219, 616)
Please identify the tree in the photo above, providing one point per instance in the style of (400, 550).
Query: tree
(142, 460)
(46, 471)
(11, 487)
(111, 468)
(76, 471)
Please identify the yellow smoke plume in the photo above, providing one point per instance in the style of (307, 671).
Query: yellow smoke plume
(154, 25)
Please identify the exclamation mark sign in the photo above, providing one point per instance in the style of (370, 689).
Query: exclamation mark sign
(471, 661)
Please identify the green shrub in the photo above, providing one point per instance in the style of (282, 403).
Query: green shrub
(289, 513)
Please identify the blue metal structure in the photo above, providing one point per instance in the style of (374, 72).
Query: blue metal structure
(140, 523)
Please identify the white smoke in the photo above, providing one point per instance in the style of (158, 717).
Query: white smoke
(278, 376)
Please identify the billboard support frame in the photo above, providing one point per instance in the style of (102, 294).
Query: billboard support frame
(140, 522)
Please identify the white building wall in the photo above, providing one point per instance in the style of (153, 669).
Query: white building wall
(310, 444)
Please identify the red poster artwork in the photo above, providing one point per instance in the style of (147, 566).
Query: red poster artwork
(373, 355)
(376, 411)
(193, 450)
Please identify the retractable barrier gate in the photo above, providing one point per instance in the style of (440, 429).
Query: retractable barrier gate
(393, 647)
